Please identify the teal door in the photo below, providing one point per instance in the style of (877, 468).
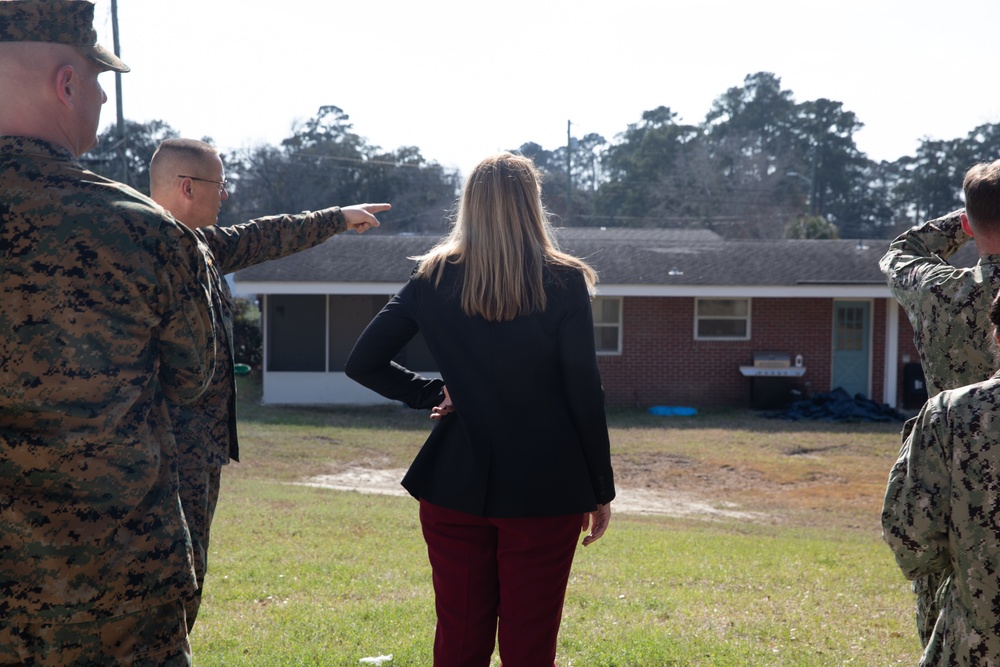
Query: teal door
(851, 333)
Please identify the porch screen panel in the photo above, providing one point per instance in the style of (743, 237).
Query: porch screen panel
(417, 356)
(349, 315)
(296, 332)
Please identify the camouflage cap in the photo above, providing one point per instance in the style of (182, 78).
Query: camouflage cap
(68, 22)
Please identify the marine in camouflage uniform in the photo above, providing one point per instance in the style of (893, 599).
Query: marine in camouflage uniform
(206, 429)
(187, 177)
(105, 317)
(940, 513)
(105, 314)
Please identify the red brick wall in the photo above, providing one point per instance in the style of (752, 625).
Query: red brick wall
(662, 364)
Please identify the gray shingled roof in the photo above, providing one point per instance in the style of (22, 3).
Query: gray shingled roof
(621, 256)
(348, 257)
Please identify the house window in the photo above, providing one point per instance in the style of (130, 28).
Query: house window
(850, 332)
(722, 319)
(607, 324)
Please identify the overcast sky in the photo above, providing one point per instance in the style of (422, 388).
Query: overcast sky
(461, 79)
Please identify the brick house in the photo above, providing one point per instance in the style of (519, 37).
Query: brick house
(682, 317)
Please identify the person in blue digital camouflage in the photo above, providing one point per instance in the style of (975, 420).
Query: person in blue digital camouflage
(106, 315)
(948, 307)
(940, 515)
(188, 179)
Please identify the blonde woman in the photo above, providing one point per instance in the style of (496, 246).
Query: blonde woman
(518, 463)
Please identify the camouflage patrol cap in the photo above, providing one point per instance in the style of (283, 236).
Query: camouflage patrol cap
(68, 22)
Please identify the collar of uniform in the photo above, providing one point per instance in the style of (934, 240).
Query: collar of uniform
(10, 146)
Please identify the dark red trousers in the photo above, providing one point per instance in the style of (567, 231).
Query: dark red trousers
(498, 579)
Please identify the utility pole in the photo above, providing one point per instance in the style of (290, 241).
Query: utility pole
(118, 95)
(813, 187)
(569, 164)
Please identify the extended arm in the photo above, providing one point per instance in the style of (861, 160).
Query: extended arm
(275, 236)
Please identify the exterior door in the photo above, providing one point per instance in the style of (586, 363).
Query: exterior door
(851, 347)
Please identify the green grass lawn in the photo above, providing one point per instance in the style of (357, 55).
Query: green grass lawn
(300, 575)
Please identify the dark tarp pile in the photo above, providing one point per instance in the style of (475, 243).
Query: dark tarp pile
(837, 406)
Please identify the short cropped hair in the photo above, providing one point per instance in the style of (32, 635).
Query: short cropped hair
(982, 193)
(171, 155)
(189, 148)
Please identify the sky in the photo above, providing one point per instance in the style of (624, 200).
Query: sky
(461, 79)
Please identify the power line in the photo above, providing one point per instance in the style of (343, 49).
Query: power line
(304, 157)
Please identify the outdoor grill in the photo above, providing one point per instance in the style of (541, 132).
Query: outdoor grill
(772, 364)
(772, 380)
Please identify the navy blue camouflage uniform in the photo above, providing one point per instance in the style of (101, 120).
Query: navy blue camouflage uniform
(940, 515)
(948, 308)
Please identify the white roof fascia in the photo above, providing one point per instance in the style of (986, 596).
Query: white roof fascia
(815, 291)
(760, 291)
(268, 287)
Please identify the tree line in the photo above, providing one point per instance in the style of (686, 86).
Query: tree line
(760, 165)
(323, 163)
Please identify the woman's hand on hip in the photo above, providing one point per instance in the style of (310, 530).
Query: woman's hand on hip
(445, 408)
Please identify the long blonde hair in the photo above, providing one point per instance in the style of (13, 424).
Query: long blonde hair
(502, 237)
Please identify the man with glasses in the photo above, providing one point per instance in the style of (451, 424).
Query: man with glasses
(106, 314)
(188, 179)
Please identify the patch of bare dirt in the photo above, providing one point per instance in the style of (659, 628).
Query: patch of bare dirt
(639, 492)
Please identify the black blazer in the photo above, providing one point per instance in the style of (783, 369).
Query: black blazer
(528, 436)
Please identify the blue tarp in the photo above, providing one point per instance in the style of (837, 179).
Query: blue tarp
(672, 411)
(838, 406)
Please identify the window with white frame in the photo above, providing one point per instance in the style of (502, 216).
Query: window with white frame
(607, 324)
(722, 319)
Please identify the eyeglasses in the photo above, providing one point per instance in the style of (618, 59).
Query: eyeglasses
(222, 184)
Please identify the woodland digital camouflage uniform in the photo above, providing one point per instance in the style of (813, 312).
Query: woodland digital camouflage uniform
(948, 308)
(106, 314)
(70, 23)
(206, 429)
(941, 509)
(34, 22)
